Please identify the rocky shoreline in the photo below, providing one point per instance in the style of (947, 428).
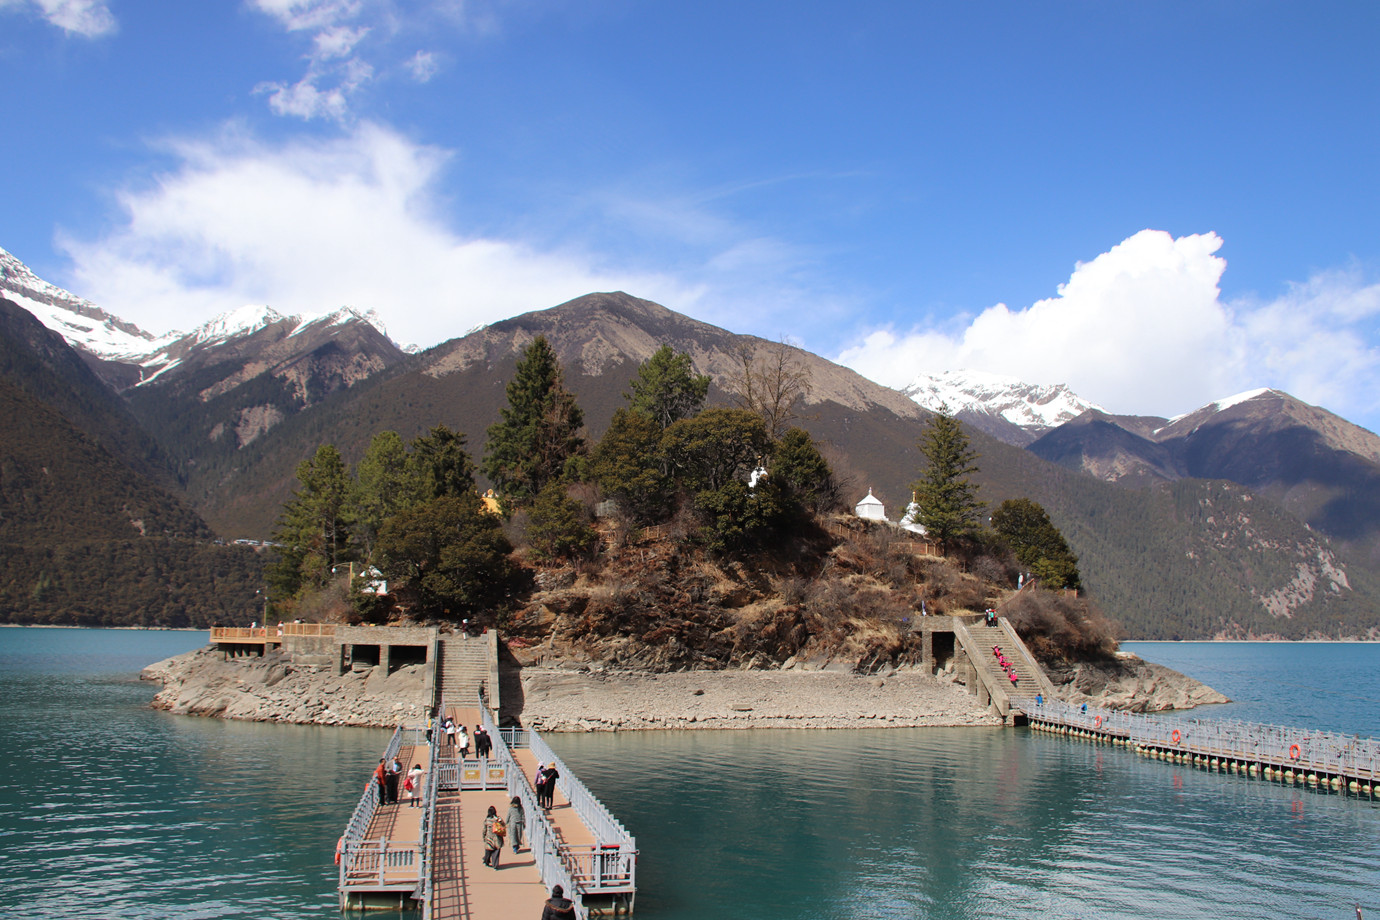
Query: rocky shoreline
(274, 689)
(578, 698)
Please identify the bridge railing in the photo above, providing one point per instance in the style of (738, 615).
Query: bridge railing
(372, 861)
(609, 866)
(541, 836)
(352, 841)
(600, 821)
(1328, 752)
(428, 828)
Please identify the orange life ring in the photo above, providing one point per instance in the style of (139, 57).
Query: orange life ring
(1294, 752)
(1097, 722)
(1175, 737)
(339, 846)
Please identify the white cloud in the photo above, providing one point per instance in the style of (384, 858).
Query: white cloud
(313, 225)
(1143, 329)
(423, 66)
(351, 40)
(308, 15)
(336, 42)
(87, 18)
(303, 100)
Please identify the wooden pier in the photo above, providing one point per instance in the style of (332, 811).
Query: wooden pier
(431, 857)
(1319, 760)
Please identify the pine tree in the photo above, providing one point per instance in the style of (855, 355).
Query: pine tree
(948, 507)
(1037, 543)
(441, 465)
(557, 527)
(384, 485)
(313, 532)
(802, 473)
(447, 557)
(627, 465)
(666, 389)
(540, 428)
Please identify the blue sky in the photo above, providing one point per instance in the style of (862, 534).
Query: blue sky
(1158, 204)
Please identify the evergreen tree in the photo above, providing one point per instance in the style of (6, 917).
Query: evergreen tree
(802, 473)
(539, 431)
(948, 507)
(738, 520)
(1037, 543)
(384, 485)
(627, 465)
(441, 465)
(314, 530)
(557, 527)
(447, 557)
(666, 389)
(714, 447)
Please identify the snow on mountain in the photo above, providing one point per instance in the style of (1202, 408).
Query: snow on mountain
(87, 327)
(1220, 405)
(77, 320)
(244, 321)
(1026, 405)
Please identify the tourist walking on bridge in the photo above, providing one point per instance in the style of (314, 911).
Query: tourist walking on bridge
(413, 785)
(558, 906)
(381, 778)
(483, 744)
(517, 822)
(494, 829)
(546, 787)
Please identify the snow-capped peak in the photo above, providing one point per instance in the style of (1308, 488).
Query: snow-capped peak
(77, 320)
(1026, 405)
(1219, 405)
(341, 317)
(243, 321)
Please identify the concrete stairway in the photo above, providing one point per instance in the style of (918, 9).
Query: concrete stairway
(1027, 671)
(466, 664)
(987, 677)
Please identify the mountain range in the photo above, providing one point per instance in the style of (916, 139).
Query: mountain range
(1251, 517)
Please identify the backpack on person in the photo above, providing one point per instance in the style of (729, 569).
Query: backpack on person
(500, 827)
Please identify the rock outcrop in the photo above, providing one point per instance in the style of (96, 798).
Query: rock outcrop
(1131, 684)
(274, 689)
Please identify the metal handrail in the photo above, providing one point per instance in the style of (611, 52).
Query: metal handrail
(1328, 752)
(601, 822)
(541, 836)
(428, 829)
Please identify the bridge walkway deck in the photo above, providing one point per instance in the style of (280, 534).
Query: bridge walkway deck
(392, 827)
(463, 888)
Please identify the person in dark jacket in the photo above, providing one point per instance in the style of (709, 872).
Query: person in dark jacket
(558, 906)
(517, 820)
(548, 790)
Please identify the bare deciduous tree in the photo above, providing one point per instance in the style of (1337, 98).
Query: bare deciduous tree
(772, 381)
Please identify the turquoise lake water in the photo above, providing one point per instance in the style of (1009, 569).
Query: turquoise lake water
(109, 809)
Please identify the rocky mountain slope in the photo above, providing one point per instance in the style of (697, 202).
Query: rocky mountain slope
(241, 406)
(92, 529)
(1320, 468)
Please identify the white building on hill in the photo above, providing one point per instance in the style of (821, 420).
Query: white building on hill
(871, 508)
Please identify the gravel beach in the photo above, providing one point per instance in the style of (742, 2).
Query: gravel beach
(557, 699)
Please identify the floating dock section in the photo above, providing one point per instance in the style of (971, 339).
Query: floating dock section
(1323, 761)
(430, 856)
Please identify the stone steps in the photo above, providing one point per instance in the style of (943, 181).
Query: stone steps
(986, 637)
